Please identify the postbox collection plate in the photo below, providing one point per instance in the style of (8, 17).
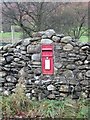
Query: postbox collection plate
(47, 64)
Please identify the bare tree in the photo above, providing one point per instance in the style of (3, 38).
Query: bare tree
(29, 16)
(71, 19)
(81, 21)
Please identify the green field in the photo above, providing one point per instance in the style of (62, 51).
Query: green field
(84, 39)
(19, 34)
(9, 35)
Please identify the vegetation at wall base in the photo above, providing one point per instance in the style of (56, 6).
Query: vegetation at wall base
(18, 105)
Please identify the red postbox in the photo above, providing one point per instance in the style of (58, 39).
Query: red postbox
(47, 59)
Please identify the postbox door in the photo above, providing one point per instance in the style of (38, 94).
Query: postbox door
(47, 60)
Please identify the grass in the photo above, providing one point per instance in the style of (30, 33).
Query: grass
(19, 34)
(18, 105)
(46, 108)
(0, 108)
(9, 35)
(84, 39)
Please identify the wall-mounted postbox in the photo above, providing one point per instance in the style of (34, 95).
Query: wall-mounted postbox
(47, 59)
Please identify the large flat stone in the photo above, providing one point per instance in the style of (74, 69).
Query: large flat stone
(36, 57)
(68, 47)
(26, 41)
(50, 87)
(11, 79)
(71, 66)
(56, 39)
(51, 96)
(88, 73)
(2, 73)
(66, 39)
(46, 41)
(64, 88)
(69, 74)
(49, 33)
(58, 65)
(30, 49)
(9, 58)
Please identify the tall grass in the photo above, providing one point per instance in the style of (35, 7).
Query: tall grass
(18, 105)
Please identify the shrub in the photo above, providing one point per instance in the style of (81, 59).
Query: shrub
(16, 104)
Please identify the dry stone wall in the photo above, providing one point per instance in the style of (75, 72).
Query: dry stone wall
(22, 61)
